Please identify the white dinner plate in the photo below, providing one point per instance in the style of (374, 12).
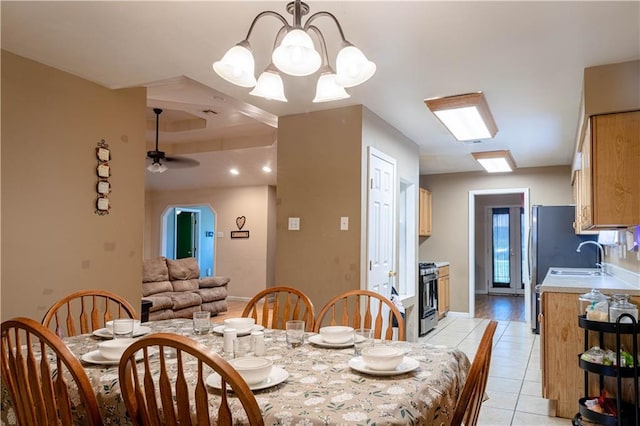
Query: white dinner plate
(317, 340)
(277, 376)
(219, 329)
(407, 364)
(94, 357)
(107, 334)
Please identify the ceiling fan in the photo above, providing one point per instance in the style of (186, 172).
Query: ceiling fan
(159, 162)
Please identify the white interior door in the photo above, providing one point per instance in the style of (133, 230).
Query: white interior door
(381, 223)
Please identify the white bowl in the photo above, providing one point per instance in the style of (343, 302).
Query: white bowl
(336, 333)
(109, 324)
(241, 325)
(382, 357)
(252, 369)
(113, 349)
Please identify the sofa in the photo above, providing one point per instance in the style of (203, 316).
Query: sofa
(175, 289)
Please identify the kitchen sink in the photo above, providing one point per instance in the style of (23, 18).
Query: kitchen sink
(576, 273)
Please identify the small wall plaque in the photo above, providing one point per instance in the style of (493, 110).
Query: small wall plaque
(239, 234)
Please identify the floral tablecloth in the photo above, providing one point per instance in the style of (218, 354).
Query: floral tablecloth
(321, 388)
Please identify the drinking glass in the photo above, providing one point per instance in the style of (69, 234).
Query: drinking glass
(295, 333)
(362, 337)
(242, 346)
(122, 328)
(201, 322)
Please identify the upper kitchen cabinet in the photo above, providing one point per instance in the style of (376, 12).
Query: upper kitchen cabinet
(610, 173)
(606, 176)
(424, 226)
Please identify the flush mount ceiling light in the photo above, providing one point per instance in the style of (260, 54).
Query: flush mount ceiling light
(466, 116)
(495, 161)
(296, 55)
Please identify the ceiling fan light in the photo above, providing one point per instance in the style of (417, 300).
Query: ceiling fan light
(269, 86)
(296, 54)
(353, 67)
(327, 89)
(157, 167)
(237, 66)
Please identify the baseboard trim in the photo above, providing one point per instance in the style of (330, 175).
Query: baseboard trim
(238, 298)
(458, 314)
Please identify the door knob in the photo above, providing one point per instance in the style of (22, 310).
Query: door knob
(392, 273)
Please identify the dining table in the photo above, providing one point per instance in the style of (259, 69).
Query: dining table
(317, 383)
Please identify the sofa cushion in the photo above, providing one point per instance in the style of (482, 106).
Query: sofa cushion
(160, 302)
(215, 306)
(179, 286)
(211, 294)
(155, 270)
(183, 269)
(186, 312)
(164, 314)
(150, 288)
(208, 282)
(185, 299)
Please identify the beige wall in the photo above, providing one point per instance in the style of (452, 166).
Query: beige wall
(322, 167)
(52, 241)
(612, 88)
(450, 192)
(319, 180)
(249, 262)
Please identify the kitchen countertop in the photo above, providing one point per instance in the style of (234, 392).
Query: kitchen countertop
(441, 264)
(607, 284)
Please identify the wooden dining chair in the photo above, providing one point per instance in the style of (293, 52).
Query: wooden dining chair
(155, 390)
(362, 309)
(91, 309)
(44, 378)
(274, 306)
(468, 404)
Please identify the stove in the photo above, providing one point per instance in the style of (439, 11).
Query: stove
(427, 297)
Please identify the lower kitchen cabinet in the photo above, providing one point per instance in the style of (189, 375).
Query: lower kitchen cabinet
(443, 291)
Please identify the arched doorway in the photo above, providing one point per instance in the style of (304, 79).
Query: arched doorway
(189, 231)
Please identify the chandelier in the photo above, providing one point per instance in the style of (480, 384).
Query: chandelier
(294, 54)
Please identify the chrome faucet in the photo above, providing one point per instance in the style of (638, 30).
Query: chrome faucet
(599, 265)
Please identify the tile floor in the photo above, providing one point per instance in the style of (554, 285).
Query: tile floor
(515, 377)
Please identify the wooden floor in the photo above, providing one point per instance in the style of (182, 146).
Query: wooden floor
(500, 308)
(234, 310)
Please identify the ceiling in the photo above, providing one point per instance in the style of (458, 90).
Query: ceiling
(527, 57)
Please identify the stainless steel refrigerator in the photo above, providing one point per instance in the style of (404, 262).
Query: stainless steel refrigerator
(553, 243)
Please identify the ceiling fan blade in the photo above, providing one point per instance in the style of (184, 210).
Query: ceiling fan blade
(157, 156)
(180, 162)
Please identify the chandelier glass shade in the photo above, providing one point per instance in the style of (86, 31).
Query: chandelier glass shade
(353, 67)
(269, 85)
(237, 66)
(295, 54)
(327, 89)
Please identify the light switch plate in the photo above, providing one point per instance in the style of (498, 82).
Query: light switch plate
(294, 224)
(344, 223)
